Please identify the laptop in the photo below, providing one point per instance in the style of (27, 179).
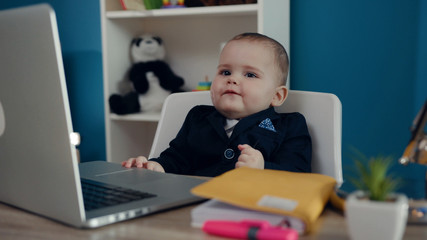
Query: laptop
(39, 170)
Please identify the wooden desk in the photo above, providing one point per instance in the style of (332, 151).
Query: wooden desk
(174, 224)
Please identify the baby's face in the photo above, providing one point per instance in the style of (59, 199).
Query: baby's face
(246, 79)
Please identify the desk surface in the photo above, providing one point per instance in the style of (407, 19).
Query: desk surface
(173, 224)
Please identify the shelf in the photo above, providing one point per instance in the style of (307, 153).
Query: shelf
(142, 117)
(242, 9)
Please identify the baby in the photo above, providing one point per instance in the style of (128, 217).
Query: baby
(241, 129)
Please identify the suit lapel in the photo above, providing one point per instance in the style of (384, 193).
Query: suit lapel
(217, 121)
(254, 119)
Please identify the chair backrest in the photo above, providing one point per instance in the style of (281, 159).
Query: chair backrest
(174, 111)
(321, 110)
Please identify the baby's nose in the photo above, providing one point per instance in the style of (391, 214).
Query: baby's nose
(231, 81)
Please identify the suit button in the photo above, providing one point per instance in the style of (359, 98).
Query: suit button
(229, 153)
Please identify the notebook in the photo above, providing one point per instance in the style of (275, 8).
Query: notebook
(39, 171)
(299, 196)
(217, 210)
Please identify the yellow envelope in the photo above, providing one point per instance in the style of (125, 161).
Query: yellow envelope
(301, 195)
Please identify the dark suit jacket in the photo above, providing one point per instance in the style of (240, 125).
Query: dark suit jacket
(202, 147)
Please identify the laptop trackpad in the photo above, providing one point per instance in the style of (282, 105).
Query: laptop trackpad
(131, 177)
(116, 174)
(136, 178)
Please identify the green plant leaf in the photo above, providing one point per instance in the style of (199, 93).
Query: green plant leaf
(373, 176)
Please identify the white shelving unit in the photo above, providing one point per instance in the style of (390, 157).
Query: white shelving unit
(192, 38)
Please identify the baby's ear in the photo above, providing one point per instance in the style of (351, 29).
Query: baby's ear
(280, 96)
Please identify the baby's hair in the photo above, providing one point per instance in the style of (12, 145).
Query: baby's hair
(282, 58)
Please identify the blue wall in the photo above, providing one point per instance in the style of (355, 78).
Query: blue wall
(371, 53)
(421, 79)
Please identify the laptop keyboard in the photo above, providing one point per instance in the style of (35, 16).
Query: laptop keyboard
(98, 195)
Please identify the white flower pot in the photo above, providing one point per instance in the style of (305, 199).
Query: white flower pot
(368, 219)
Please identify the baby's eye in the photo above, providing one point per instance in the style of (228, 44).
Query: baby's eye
(250, 75)
(225, 72)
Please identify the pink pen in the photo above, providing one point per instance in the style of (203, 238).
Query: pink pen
(249, 229)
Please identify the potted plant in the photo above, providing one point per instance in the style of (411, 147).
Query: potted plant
(375, 210)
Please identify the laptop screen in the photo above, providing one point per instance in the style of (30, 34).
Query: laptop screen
(38, 164)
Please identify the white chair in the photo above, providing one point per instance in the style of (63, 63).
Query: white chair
(321, 110)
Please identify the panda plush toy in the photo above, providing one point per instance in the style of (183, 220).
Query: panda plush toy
(151, 78)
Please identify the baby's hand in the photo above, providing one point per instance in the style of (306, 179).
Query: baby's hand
(249, 157)
(142, 162)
